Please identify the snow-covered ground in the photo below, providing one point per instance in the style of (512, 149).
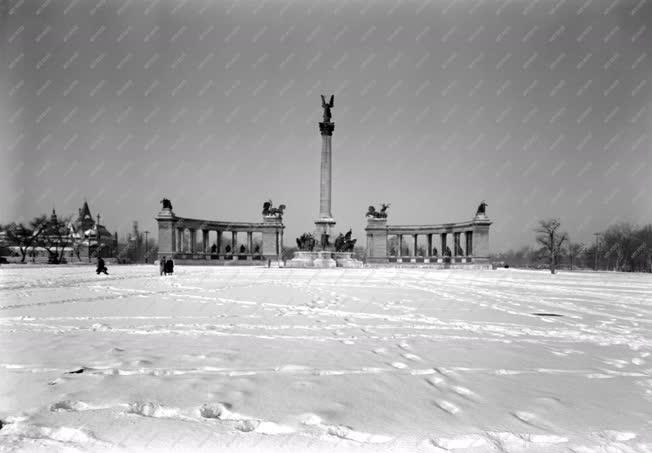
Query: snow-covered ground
(375, 360)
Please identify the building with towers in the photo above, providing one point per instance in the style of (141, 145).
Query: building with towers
(93, 237)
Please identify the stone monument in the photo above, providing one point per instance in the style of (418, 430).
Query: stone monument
(325, 223)
(322, 249)
(167, 230)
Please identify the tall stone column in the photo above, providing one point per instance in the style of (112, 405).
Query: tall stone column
(325, 186)
(429, 252)
(416, 236)
(325, 223)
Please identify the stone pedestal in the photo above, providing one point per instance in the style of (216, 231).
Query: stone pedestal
(480, 241)
(167, 238)
(376, 240)
(345, 259)
(324, 260)
(272, 247)
(323, 226)
(302, 258)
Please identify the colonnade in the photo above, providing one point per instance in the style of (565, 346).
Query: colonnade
(219, 246)
(461, 242)
(461, 245)
(173, 230)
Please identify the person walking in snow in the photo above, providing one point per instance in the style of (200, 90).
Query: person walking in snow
(169, 266)
(101, 268)
(161, 266)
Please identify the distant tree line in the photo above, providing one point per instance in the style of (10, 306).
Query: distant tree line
(621, 247)
(137, 248)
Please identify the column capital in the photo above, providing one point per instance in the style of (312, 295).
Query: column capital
(326, 128)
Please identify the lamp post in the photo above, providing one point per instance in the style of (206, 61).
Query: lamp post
(597, 243)
(146, 252)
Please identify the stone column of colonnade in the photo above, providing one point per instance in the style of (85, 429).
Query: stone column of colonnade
(468, 248)
(462, 243)
(443, 244)
(180, 240)
(193, 240)
(204, 242)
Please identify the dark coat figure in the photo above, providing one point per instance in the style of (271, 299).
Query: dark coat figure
(101, 268)
(162, 266)
(169, 266)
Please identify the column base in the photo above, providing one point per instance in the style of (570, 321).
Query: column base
(345, 259)
(324, 260)
(302, 258)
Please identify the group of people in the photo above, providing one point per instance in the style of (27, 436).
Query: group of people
(166, 266)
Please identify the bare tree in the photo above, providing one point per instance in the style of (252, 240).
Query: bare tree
(550, 240)
(575, 249)
(56, 238)
(23, 236)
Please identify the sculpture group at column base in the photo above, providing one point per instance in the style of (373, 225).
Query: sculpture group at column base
(323, 260)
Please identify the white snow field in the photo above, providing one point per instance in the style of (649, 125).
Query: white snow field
(228, 359)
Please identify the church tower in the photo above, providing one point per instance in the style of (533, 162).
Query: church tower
(85, 219)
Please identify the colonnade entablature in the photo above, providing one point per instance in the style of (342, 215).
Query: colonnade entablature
(201, 241)
(464, 242)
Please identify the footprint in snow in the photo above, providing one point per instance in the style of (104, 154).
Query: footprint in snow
(437, 382)
(153, 409)
(464, 392)
(447, 407)
(532, 419)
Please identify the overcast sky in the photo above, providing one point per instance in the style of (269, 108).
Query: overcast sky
(541, 108)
